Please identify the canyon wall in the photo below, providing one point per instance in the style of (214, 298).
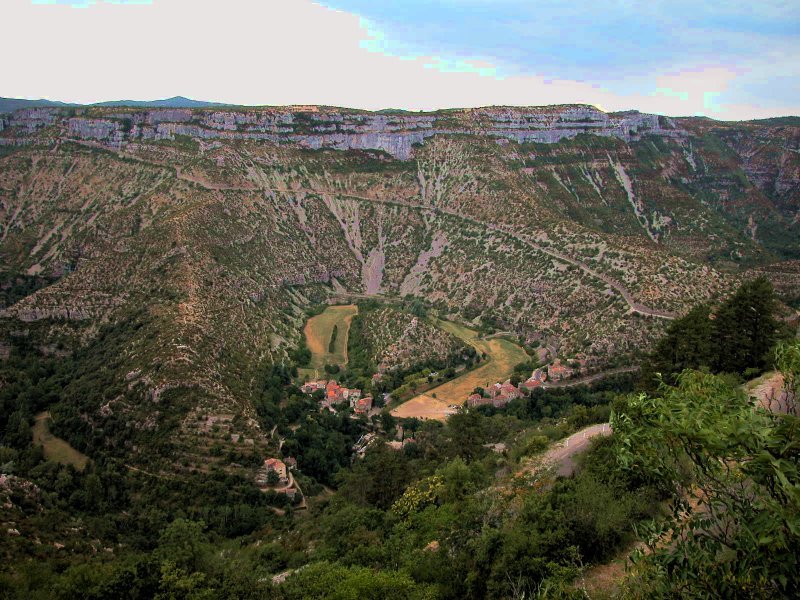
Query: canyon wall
(314, 127)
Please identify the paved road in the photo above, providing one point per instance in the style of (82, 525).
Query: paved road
(589, 378)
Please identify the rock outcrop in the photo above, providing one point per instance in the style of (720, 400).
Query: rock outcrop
(317, 128)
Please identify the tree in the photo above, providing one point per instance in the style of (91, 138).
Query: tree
(687, 344)
(177, 584)
(746, 328)
(184, 544)
(733, 470)
(324, 580)
(734, 337)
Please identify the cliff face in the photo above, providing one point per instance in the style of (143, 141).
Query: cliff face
(395, 134)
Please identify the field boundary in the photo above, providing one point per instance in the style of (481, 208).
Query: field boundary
(55, 449)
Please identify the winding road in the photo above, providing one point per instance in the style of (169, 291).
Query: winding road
(634, 306)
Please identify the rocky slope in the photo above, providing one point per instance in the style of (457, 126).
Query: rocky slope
(213, 229)
(398, 340)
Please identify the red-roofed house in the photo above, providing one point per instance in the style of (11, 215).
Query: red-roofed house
(501, 401)
(559, 371)
(509, 391)
(276, 465)
(478, 400)
(333, 392)
(530, 385)
(363, 406)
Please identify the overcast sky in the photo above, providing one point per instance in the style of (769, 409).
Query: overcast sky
(729, 59)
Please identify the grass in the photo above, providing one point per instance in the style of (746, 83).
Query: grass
(56, 449)
(319, 333)
(503, 357)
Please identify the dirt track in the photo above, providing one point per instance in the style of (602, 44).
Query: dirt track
(563, 452)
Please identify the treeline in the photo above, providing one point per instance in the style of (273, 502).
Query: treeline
(735, 336)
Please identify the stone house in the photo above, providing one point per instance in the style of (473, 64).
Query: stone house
(277, 466)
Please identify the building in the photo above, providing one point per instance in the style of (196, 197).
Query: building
(351, 395)
(333, 392)
(312, 386)
(291, 462)
(363, 406)
(495, 390)
(276, 465)
(530, 385)
(558, 371)
(509, 391)
(478, 400)
(501, 401)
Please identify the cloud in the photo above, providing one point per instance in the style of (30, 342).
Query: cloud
(299, 52)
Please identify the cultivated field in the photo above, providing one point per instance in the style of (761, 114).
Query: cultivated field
(55, 448)
(503, 356)
(318, 333)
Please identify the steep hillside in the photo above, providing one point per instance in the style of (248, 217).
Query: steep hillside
(396, 340)
(212, 230)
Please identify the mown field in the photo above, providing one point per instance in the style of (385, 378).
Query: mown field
(318, 332)
(55, 448)
(503, 356)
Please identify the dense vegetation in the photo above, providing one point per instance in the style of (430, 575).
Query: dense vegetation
(463, 509)
(736, 337)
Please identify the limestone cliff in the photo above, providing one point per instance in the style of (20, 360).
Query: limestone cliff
(395, 134)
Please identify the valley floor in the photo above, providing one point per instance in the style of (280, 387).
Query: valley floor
(434, 404)
(318, 332)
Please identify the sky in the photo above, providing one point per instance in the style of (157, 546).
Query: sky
(729, 59)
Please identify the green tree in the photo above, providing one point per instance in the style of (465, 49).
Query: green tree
(687, 344)
(184, 544)
(746, 328)
(177, 584)
(320, 581)
(732, 470)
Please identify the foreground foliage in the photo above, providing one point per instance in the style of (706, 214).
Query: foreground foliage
(733, 471)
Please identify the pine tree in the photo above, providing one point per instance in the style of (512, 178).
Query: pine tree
(687, 344)
(746, 328)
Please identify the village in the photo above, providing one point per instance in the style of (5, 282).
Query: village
(335, 394)
(276, 474)
(500, 394)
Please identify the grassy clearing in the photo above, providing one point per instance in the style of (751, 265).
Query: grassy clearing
(503, 356)
(55, 448)
(319, 331)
